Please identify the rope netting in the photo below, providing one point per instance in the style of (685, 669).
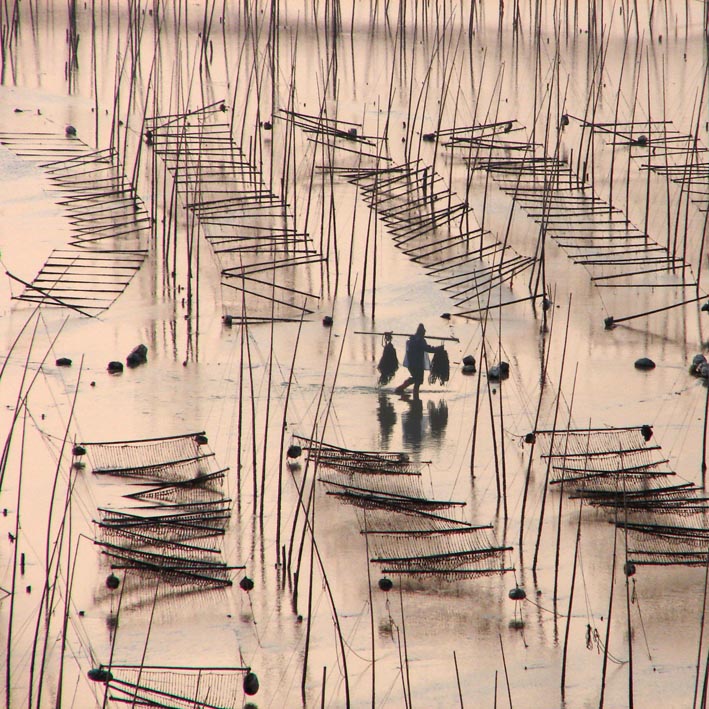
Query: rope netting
(177, 457)
(177, 687)
(331, 456)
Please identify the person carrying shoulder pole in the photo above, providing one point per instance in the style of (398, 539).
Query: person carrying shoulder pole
(415, 360)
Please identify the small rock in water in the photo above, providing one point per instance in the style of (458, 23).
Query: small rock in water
(698, 361)
(644, 363)
(138, 355)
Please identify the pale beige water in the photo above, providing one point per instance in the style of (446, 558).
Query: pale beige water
(471, 618)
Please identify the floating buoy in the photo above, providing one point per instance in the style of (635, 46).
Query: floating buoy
(70, 131)
(250, 683)
(705, 307)
(78, 450)
(564, 119)
(63, 362)
(546, 304)
(386, 584)
(228, 320)
(641, 140)
(115, 367)
(646, 431)
(629, 568)
(246, 584)
(201, 440)
(530, 438)
(446, 316)
(267, 125)
(517, 594)
(644, 363)
(99, 674)
(428, 137)
(294, 451)
(609, 322)
(327, 321)
(112, 582)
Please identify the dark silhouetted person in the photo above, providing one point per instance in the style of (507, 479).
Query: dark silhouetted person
(416, 348)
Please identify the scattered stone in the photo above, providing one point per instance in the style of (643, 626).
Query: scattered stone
(469, 364)
(644, 363)
(698, 361)
(499, 372)
(138, 355)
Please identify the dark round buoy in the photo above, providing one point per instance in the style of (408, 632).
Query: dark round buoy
(99, 674)
(546, 304)
(112, 582)
(250, 683)
(629, 568)
(228, 320)
(327, 321)
(530, 438)
(246, 584)
(517, 594)
(446, 316)
(294, 451)
(115, 367)
(641, 140)
(644, 363)
(386, 584)
(564, 119)
(468, 369)
(428, 137)
(609, 322)
(78, 450)
(705, 307)
(469, 359)
(508, 127)
(646, 431)
(70, 131)
(267, 125)
(201, 440)
(149, 137)
(63, 362)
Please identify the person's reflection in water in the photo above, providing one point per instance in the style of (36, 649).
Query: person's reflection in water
(386, 415)
(437, 419)
(412, 424)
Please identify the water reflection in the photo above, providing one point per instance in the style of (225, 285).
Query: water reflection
(386, 415)
(412, 424)
(437, 419)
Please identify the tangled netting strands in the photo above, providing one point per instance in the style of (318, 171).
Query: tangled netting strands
(176, 687)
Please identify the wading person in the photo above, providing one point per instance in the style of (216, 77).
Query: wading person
(415, 360)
